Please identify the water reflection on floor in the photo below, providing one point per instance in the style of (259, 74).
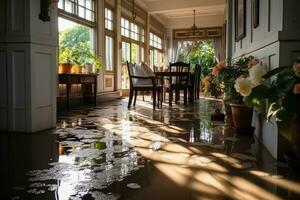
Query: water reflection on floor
(110, 152)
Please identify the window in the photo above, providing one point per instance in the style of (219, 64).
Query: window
(156, 58)
(84, 9)
(132, 30)
(155, 41)
(109, 19)
(156, 54)
(109, 53)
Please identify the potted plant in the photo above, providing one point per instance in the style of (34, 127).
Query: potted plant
(65, 57)
(283, 95)
(230, 76)
(93, 63)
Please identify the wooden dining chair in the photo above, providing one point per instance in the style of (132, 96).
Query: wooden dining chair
(179, 83)
(142, 78)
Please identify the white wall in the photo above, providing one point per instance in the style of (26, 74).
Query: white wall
(28, 62)
(276, 42)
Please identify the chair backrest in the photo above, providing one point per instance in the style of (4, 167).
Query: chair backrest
(141, 70)
(180, 67)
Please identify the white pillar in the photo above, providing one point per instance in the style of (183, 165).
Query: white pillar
(28, 62)
(117, 46)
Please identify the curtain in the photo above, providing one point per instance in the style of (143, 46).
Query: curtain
(174, 51)
(219, 49)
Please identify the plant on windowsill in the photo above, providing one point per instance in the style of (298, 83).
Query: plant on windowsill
(65, 57)
(282, 90)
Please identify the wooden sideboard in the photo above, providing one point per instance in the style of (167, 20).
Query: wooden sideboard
(84, 79)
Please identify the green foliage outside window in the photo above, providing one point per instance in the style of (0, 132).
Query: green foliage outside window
(201, 52)
(74, 47)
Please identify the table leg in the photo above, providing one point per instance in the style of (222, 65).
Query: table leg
(95, 91)
(68, 87)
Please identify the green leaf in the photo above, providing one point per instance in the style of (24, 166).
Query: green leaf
(275, 71)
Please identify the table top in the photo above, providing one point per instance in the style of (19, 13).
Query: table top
(172, 73)
(69, 74)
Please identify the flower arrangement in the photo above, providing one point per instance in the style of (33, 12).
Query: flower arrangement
(282, 93)
(244, 85)
(224, 76)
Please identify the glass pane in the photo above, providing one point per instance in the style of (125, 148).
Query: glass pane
(109, 52)
(69, 6)
(89, 15)
(60, 4)
(135, 52)
(81, 2)
(88, 4)
(151, 59)
(125, 57)
(142, 54)
(81, 12)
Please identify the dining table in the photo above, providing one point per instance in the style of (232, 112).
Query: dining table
(163, 75)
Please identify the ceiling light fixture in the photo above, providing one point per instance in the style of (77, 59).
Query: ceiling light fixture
(194, 28)
(133, 10)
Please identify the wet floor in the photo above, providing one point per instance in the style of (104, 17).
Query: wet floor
(110, 152)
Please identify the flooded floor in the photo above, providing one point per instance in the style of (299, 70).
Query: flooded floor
(110, 152)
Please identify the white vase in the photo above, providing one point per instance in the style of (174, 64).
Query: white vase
(88, 68)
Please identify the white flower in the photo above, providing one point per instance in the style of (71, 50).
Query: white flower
(243, 86)
(256, 73)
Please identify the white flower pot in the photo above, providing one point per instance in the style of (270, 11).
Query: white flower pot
(89, 68)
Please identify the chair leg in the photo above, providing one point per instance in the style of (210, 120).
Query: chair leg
(130, 97)
(135, 97)
(143, 95)
(164, 94)
(185, 96)
(154, 99)
(158, 98)
(170, 96)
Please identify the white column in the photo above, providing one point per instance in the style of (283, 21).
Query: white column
(117, 46)
(100, 43)
(28, 62)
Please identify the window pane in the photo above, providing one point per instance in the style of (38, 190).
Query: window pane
(142, 54)
(151, 58)
(135, 53)
(88, 4)
(109, 52)
(81, 8)
(81, 12)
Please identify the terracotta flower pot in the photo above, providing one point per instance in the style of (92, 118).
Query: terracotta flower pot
(294, 128)
(64, 68)
(76, 69)
(242, 116)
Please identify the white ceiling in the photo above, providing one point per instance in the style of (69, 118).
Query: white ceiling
(179, 13)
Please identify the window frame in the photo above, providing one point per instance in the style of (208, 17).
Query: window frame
(72, 16)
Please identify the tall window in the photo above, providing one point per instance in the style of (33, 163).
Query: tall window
(109, 39)
(84, 9)
(133, 37)
(156, 54)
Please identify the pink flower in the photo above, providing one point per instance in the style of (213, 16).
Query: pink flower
(252, 63)
(296, 68)
(297, 88)
(215, 71)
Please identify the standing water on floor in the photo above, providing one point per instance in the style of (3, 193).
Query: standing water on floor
(110, 152)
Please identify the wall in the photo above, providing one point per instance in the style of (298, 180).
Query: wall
(275, 42)
(28, 67)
